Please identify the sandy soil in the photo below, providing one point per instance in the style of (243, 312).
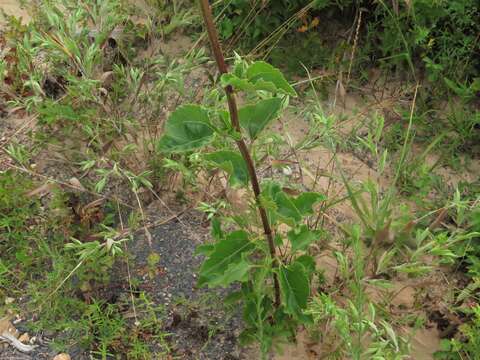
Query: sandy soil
(12, 7)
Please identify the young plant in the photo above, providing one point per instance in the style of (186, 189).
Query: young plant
(274, 275)
(354, 325)
(468, 344)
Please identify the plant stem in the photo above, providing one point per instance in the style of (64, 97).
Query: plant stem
(232, 107)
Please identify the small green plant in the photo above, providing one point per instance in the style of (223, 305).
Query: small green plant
(34, 245)
(465, 215)
(361, 330)
(393, 243)
(273, 269)
(15, 212)
(467, 345)
(81, 75)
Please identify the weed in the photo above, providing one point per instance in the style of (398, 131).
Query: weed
(269, 311)
(106, 101)
(467, 345)
(441, 35)
(35, 245)
(361, 331)
(87, 85)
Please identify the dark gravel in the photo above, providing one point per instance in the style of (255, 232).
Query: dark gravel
(200, 326)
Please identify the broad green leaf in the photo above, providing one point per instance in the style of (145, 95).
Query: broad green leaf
(205, 249)
(306, 200)
(245, 85)
(217, 232)
(233, 163)
(226, 253)
(236, 82)
(234, 272)
(286, 208)
(187, 128)
(295, 288)
(270, 189)
(277, 208)
(308, 263)
(269, 86)
(265, 75)
(301, 237)
(296, 208)
(254, 118)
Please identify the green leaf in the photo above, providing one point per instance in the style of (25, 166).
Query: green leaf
(52, 112)
(226, 28)
(217, 232)
(267, 77)
(290, 208)
(260, 76)
(308, 263)
(187, 128)
(100, 185)
(3, 268)
(270, 189)
(245, 85)
(226, 253)
(226, 125)
(301, 237)
(205, 249)
(233, 163)
(306, 200)
(277, 205)
(295, 288)
(286, 208)
(234, 272)
(236, 82)
(257, 306)
(233, 298)
(254, 118)
(278, 240)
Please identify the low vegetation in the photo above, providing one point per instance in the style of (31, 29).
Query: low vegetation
(330, 148)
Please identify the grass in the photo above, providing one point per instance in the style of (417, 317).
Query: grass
(37, 264)
(81, 174)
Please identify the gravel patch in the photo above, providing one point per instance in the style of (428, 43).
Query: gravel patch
(200, 326)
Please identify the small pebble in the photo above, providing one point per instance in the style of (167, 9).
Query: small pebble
(24, 338)
(287, 170)
(62, 356)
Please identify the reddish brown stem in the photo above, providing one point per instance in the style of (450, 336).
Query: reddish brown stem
(232, 107)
